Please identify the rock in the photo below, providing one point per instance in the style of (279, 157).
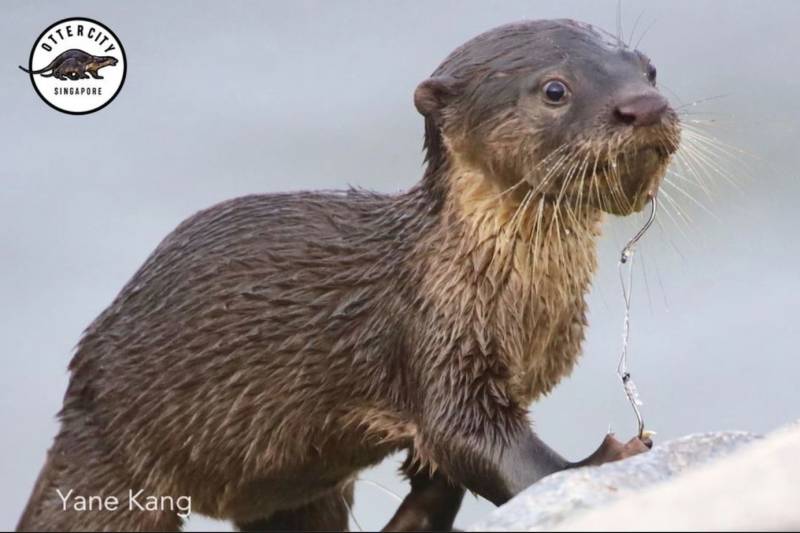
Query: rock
(756, 488)
(683, 483)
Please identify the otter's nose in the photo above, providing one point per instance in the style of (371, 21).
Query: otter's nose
(643, 109)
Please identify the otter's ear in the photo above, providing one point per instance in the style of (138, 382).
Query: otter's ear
(434, 93)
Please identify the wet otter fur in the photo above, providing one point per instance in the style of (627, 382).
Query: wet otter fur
(274, 345)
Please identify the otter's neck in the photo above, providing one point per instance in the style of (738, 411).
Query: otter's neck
(496, 233)
(511, 272)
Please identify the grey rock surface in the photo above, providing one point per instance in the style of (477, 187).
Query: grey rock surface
(755, 489)
(565, 496)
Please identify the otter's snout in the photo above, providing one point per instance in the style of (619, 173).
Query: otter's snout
(643, 109)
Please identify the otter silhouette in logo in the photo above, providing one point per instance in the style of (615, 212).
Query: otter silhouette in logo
(74, 64)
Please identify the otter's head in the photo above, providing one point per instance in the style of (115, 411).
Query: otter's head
(554, 107)
(106, 61)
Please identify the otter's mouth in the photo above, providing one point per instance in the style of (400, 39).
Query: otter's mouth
(639, 175)
(638, 159)
(623, 183)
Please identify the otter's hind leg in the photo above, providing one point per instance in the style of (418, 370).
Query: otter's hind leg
(327, 513)
(79, 467)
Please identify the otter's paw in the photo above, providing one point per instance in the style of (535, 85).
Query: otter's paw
(611, 449)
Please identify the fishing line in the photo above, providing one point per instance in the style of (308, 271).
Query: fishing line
(625, 266)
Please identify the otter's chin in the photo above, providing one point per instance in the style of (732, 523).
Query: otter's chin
(633, 205)
(640, 176)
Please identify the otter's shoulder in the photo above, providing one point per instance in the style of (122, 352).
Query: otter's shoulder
(262, 225)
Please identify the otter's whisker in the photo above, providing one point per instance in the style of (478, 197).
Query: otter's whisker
(678, 212)
(614, 180)
(536, 242)
(579, 231)
(594, 185)
(567, 180)
(646, 283)
(581, 185)
(684, 159)
(528, 174)
(672, 92)
(560, 259)
(691, 198)
(666, 234)
(382, 488)
(523, 214)
(700, 101)
(671, 173)
(586, 183)
(644, 33)
(733, 150)
(554, 167)
(633, 31)
(551, 173)
(679, 220)
(701, 168)
(661, 285)
(703, 118)
(712, 151)
(350, 512)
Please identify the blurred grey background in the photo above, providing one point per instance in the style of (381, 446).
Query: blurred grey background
(229, 98)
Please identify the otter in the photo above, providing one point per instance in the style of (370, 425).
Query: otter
(274, 345)
(73, 64)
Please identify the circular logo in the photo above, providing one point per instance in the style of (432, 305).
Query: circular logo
(77, 66)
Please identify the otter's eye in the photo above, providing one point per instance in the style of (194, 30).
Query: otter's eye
(555, 92)
(651, 73)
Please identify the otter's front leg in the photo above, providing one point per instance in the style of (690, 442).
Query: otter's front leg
(431, 505)
(498, 471)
